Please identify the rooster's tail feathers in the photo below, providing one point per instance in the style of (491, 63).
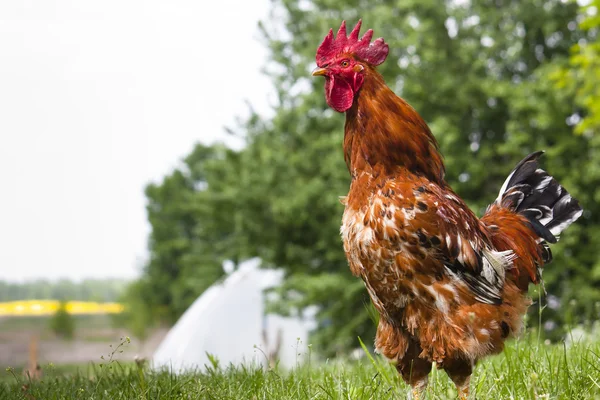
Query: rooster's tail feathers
(533, 193)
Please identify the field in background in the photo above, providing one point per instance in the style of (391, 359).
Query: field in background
(94, 334)
(526, 370)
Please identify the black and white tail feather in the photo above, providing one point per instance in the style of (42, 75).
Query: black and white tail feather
(533, 193)
(548, 207)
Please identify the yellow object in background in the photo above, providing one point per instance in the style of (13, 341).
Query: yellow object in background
(24, 308)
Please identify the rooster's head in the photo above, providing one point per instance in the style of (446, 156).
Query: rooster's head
(343, 61)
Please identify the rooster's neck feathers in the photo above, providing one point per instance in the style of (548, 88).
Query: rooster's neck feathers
(383, 131)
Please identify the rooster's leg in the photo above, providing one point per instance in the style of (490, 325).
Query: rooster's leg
(418, 389)
(460, 373)
(463, 391)
(414, 370)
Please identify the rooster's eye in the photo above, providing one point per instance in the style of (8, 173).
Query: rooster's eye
(344, 64)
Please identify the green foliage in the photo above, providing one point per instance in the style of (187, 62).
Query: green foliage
(480, 73)
(62, 323)
(582, 74)
(191, 213)
(577, 83)
(136, 317)
(525, 371)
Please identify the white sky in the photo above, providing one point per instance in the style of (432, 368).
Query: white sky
(97, 98)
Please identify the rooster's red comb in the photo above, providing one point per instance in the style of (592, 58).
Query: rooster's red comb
(373, 53)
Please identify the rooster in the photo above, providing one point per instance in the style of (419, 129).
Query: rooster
(449, 287)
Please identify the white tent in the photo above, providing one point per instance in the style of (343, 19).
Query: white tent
(228, 321)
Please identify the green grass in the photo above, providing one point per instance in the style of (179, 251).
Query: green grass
(526, 370)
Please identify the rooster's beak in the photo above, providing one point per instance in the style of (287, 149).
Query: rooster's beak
(319, 72)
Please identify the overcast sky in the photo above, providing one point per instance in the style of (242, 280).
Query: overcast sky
(97, 98)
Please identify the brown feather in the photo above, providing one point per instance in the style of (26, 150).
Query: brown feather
(382, 129)
(450, 288)
(403, 226)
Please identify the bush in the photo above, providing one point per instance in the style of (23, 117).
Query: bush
(62, 323)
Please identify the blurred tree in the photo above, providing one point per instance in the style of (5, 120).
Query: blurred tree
(582, 74)
(579, 79)
(62, 323)
(478, 72)
(137, 316)
(191, 213)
